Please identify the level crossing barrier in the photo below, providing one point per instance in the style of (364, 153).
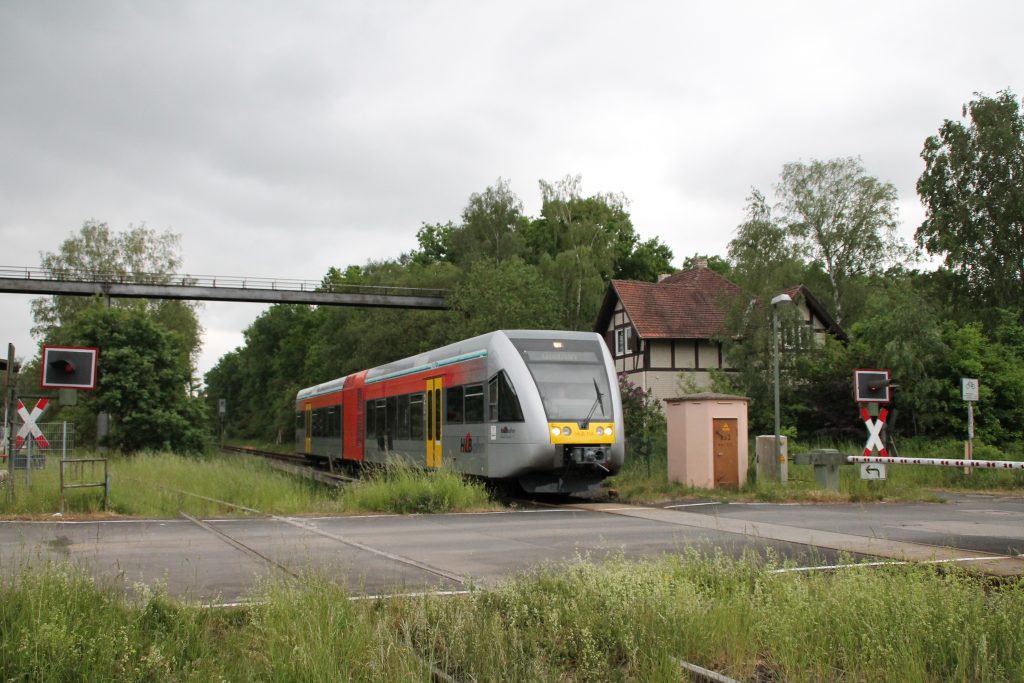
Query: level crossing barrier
(938, 462)
(826, 463)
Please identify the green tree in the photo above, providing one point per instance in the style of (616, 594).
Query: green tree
(646, 261)
(642, 417)
(143, 381)
(973, 192)
(902, 332)
(491, 223)
(580, 243)
(510, 294)
(841, 217)
(764, 259)
(438, 243)
(134, 255)
(713, 262)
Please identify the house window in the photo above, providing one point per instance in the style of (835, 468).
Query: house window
(624, 341)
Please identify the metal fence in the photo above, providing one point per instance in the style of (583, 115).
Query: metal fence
(60, 437)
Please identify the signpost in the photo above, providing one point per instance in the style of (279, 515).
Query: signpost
(872, 387)
(969, 391)
(8, 426)
(222, 409)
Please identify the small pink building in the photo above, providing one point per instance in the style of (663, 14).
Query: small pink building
(707, 440)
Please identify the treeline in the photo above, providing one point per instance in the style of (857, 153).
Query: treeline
(504, 270)
(828, 225)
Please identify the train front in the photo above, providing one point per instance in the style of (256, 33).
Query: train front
(582, 410)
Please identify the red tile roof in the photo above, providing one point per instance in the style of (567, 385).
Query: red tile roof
(690, 304)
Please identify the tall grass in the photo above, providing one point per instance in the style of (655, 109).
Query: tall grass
(404, 489)
(159, 485)
(613, 621)
(647, 481)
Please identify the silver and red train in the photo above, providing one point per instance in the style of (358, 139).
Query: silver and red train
(537, 408)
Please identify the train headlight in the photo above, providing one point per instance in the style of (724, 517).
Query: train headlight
(566, 431)
(555, 431)
(607, 431)
(600, 431)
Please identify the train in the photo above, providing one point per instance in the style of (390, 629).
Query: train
(535, 409)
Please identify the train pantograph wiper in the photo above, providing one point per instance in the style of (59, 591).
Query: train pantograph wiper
(598, 402)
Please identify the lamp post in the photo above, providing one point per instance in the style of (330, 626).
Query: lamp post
(779, 300)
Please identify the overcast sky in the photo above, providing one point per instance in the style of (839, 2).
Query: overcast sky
(282, 138)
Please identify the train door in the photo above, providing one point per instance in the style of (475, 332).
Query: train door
(434, 386)
(309, 428)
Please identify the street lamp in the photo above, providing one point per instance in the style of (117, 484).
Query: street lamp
(779, 300)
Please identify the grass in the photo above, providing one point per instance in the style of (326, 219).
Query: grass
(643, 482)
(155, 485)
(611, 621)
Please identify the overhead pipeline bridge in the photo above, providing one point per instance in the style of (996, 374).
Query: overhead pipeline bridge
(69, 282)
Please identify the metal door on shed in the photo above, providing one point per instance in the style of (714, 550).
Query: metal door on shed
(433, 431)
(726, 461)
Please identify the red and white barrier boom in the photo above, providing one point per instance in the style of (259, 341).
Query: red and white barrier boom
(940, 462)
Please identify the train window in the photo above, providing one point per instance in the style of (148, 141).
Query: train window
(402, 432)
(381, 420)
(300, 422)
(508, 403)
(453, 405)
(570, 375)
(392, 416)
(371, 429)
(492, 399)
(416, 416)
(334, 421)
(475, 403)
(318, 421)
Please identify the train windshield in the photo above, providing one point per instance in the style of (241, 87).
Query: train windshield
(571, 377)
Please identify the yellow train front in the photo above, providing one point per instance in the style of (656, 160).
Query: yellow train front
(538, 408)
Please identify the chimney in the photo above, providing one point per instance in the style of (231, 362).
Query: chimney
(700, 263)
(662, 276)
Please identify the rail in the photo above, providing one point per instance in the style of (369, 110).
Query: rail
(218, 281)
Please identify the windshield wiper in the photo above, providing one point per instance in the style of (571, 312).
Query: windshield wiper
(598, 402)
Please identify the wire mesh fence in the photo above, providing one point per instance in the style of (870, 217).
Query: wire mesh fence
(58, 443)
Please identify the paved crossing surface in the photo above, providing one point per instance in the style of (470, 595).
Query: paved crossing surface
(221, 560)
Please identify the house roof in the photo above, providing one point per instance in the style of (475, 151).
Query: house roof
(690, 304)
(687, 305)
(801, 292)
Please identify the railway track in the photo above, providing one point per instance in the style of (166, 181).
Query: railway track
(293, 463)
(437, 674)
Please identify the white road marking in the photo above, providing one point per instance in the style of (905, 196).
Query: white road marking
(691, 505)
(824, 567)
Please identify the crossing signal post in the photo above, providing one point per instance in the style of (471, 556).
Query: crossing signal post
(10, 370)
(871, 387)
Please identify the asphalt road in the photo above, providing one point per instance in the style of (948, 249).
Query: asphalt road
(221, 560)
